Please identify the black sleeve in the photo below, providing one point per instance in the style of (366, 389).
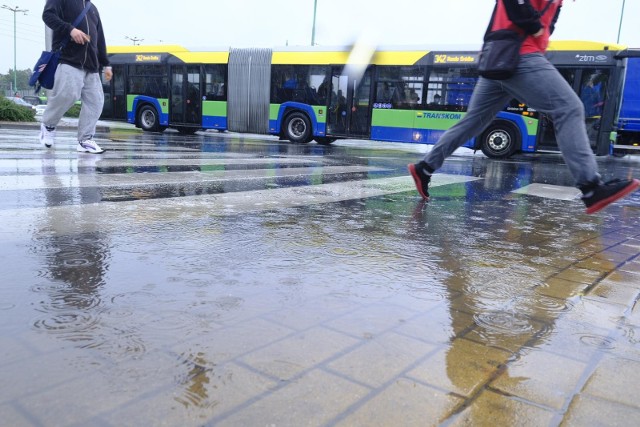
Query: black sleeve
(522, 14)
(52, 16)
(555, 19)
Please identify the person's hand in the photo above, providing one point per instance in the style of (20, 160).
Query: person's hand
(108, 73)
(79, 36)
(539, 33)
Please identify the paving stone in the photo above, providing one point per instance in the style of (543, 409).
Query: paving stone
(382, 359)
(492, 409)
(461, 367)
(543, 378)
(314, 399)
(54, 403)
(201, 394)
(590, 411)
(579, 275)
(561, 288)
(615, 379)
(613, 292)
(298, 353)
(403, 403)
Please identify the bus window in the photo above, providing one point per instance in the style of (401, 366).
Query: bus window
(148, 79)
(297, 83)
(592, 92)
(215, 87)
(450, 89)
(401, 87)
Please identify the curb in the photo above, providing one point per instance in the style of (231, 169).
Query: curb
(36, 126)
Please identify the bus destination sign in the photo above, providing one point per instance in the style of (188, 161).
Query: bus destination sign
(455, 59)
(148, 58)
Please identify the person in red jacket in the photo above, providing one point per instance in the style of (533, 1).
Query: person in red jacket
(538, 84)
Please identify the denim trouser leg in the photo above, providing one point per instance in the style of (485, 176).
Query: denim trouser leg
(538, 84)
(488, 98)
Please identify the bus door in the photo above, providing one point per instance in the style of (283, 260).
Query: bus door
(115, 100)
(349, 105)
(593, 89)
(591, 85)
(186, 99)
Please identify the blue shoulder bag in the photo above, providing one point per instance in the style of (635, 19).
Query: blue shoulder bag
(44, 72)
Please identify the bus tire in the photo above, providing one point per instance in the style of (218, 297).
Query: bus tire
(324, 140)
(297, 128)
(500, 140)
(148, 118)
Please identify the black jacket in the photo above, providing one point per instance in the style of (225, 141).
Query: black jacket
(59, 15)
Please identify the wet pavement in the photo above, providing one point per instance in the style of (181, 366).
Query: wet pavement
(230, 280)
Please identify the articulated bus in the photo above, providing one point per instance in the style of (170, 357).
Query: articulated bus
(305, 94)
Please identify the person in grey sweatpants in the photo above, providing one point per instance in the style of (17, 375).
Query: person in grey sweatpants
(537, 83)
(73, 84)
(83, 56)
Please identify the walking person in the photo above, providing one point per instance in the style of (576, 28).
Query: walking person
(78, 75)
(538, 84)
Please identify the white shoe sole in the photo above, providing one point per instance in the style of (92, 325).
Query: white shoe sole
(81, 149)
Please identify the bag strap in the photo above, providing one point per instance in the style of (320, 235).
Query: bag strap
(544, 10)
(76, 22)
(522, 36)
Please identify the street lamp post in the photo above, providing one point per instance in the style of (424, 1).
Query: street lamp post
(136, 41)
(15, 71)
(621, 16)
(313, 28)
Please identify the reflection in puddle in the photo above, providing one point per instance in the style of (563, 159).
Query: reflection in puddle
(196, 382)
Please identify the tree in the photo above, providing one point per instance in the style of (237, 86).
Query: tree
(22, 78)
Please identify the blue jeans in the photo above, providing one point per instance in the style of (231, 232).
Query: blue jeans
(538, 84)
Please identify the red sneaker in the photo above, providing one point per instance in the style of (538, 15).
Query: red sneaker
(421, 178)
(603, 195)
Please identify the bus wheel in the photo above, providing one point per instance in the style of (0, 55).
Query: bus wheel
(297, 128)
(148, 118)
(500, 140)
(324, 140)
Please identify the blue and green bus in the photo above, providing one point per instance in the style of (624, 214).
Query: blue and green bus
(306, 94)
(626, 137)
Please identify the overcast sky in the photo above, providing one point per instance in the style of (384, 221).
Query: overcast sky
(269, 23)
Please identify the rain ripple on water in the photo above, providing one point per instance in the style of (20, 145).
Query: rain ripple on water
(503, 322)
(69, 324)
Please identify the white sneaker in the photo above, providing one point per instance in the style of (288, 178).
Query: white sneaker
(89, 146)
(47, 137)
